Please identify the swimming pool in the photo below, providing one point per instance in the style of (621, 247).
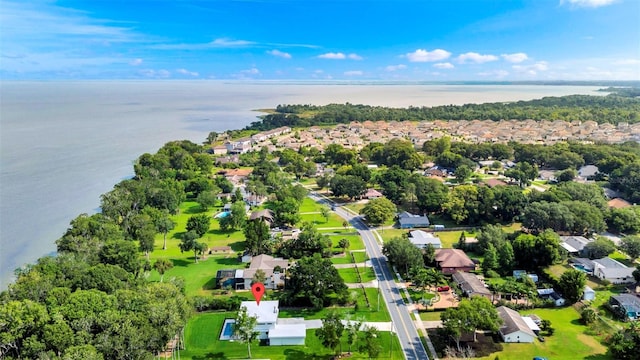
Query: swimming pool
(222, 215)
(227, 329)
(581, 268)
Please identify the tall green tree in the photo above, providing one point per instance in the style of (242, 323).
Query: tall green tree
(244, 329)
(308, 286)
(571, 285)
(490, 262)
(378, 211)
(331, 331)
(402, 254)
(370, 342)
(470, 315)
(189, 242)
(257, 235)
(631, 246)
(199, 224)
(162, 265)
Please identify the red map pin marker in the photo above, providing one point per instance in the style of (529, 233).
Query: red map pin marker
(258, 290)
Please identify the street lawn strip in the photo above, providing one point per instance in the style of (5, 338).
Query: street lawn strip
(199, 278)
(334, 221)
(355, 241)
(341, 259)
(569, 340)
(430, 315)
(360, 256)
(349, 275)
(355, 206)
(202, 335)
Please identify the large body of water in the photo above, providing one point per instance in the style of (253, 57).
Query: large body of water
(65, 143)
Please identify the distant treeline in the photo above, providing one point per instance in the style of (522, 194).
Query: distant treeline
(602, 109)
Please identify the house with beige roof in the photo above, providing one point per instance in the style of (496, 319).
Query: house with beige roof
(274, 270)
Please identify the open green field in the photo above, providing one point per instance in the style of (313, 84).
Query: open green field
(355, 241)
(568, 342)
(361, 313)
(349, 274)
(334, 221)
(199, 278)
(202, 342)
(430, 315)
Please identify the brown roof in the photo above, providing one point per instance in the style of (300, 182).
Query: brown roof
(494, 182)
(265, 263)
(618, 203)
(453, 258)
(238, 172)
(262, 214)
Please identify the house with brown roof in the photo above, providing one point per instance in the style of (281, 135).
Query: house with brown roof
(450, 261)
(618, 203)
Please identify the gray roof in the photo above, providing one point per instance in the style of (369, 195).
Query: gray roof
(574, 243)
(406, 218)
(512, 322)
(631, 303)
(422, 238)
(470, 284)
(587, 171)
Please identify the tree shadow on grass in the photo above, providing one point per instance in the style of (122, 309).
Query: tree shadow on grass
(292, 354)
(178, 235)
(226, 261)
(237, 246)
(218, 355)
(181, 262)
(210, 285)
(195, 209)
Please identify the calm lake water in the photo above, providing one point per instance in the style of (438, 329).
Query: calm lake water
(62, 144)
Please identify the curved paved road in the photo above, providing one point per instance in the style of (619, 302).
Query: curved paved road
(402, 323)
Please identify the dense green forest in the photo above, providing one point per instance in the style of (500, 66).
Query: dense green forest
(612, 109)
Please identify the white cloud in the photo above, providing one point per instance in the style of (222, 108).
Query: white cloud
(515, 57)
(627, 62)
(158, 74)
(333, 56)
(495, 73)
(422, 55)
(252, 71)
(278, 53)
(353, 73)
(444, 65)
(476, 58)
(226, 42)
(588, 3)
(339, 56)
(395, 67)
(135, 62)
(187, 72)
(532, 69)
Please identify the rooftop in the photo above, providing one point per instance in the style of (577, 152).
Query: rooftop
(513, 322)
(266, 312)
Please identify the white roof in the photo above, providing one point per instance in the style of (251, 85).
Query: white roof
(422, 238)
(530, 323)
(266, 312)
(288, 331)
(239, 274)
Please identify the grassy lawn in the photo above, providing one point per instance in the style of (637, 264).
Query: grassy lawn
(568, 342)
(430, 315)
(355, 241)
(362, 313)
(418, 296)
(203, 331)
(360, 256)
(349, 275)
(342, 259)
(388, 234)
(199, 278)
(308, 205)
(618, 256)
(334, 221)
(355, 207)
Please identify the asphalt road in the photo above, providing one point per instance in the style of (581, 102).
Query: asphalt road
(402, 322)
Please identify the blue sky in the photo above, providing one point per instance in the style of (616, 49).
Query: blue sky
(435, 40)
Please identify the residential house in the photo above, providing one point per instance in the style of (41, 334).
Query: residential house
(587, 172)
(471, 285)
(268, 326)
(239, 146)
(618, 203)
(514, 328)
(219, 150)
(266, 215)
(606, 269)
(410, 221)
(274, 270)
(626, 306)
(574, 245)
(451, 261)
(551, 294)
(494, 182)
(372, 194)
(421, 239)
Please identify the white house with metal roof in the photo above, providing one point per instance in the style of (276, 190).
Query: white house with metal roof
(286, 332)
(422, 238)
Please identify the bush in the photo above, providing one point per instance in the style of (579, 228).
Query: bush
(491, 274)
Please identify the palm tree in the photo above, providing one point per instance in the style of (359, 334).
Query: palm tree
(162, 265)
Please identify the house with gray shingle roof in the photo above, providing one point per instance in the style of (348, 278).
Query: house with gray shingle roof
(514, 329)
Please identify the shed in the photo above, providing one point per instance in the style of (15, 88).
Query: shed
(589, 293)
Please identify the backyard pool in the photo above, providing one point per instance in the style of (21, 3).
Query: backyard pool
(227, 329)
(222, 215)
(581, 268)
